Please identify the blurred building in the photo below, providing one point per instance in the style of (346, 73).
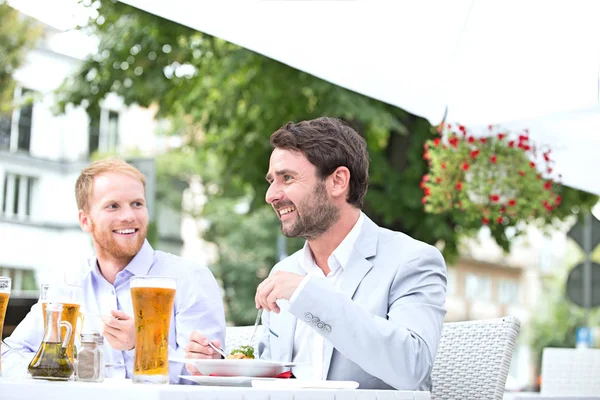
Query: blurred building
(486, 282)
(41, 155)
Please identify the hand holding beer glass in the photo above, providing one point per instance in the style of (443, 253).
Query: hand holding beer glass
(152, 299)
(4, 295)
(70, 296)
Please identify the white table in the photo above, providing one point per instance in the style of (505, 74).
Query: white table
(21, 389)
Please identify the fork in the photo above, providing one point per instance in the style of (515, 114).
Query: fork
(260, 311)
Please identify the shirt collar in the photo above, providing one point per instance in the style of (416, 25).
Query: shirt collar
(341, 254)
(139, 265)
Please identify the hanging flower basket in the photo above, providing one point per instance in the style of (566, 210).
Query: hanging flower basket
(499, 178)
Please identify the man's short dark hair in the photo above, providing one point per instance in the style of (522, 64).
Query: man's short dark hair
(329, 143)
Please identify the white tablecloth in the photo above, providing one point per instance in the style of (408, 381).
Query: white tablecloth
(21, 389)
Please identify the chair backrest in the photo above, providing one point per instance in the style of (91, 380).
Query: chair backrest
(473, 359)
(236, 336)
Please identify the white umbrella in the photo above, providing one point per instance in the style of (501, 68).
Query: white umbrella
(485, 62)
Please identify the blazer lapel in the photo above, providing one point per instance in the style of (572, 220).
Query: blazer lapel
(358, 266)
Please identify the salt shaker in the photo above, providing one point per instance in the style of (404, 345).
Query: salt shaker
(90, 365)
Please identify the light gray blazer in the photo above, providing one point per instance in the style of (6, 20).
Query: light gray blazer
(382, 326)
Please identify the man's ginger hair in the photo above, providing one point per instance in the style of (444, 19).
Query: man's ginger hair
(85, 181)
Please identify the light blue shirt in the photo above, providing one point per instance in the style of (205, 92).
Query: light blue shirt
(198, 306)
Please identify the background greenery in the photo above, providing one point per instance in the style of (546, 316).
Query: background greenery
(225, 101)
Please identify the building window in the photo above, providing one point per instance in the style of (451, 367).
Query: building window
(17, 195)
(103, 132)
(478, 287)
(508, 291)
(22, 279)
(5, 127)
(15, 128)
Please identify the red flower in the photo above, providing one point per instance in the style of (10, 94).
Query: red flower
(443, 165)
(426, 191)
(549, 170)
(499, 220)
(436, 141)
(424, 200)
(462, 129)
(425, 178)
(501, 136)
(547, 156)
(485, 221)
(494, 198)
(512, 202)
(547, 205)
(453, 141)
(422, 185)
(493, 158)
(483, 140)
(503, 209)
(511, 143)
(438, 179)
(426, 155)
(532, 164)
(459, 186)
(465, 166)
(548, 185)
(558, 200)
(522, 173)
(474, 154)
(471, 139)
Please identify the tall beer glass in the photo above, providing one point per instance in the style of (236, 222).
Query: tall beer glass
(4, 295)
(70, 296)
(152, 299)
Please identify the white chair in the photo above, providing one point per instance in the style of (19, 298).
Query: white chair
(473, 359)
(236, 336)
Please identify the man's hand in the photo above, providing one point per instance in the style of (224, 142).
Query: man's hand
(280, 285)
(119, 330)
(198, 348)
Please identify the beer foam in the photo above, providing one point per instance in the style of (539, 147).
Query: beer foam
(153, 282)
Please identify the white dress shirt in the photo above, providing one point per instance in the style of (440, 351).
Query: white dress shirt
(308, 344)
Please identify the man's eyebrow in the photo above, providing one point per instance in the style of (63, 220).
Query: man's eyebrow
(281, 172)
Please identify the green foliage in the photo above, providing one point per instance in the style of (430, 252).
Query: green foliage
(18, 35)
(226, 101)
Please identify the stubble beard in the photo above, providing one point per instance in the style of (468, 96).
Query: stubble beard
(318, 215)
(110, 247)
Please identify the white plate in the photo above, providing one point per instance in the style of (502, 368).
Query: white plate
(245, 381)
(302, 384)
(238, 368)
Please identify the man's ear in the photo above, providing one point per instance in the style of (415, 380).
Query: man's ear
(85, 222)
(340, 182)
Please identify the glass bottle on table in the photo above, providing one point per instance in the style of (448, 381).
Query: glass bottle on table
(70, 296)
(51, 360)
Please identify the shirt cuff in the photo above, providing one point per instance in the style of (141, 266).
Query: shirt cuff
(299, 289)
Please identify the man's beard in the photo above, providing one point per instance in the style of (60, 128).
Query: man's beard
(110, 246)
(318, 215)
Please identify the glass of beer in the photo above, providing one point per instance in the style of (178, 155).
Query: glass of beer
(4, 295)
(70, 296)
(152, 299)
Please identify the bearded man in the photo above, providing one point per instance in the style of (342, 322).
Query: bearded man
(111, 199)
(358, 302)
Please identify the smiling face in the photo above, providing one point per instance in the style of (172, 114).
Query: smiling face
(116, 215)
(298, 196)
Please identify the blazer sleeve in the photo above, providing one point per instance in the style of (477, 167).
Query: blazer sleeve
(400, 349)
